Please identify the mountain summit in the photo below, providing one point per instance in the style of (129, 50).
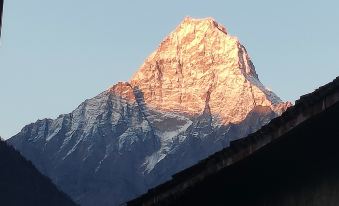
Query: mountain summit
(200, 66)
(197, 92)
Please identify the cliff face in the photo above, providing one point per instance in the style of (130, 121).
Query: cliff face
(192, 96)
(198, 66)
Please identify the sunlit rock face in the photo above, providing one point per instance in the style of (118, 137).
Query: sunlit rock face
(197, 92)
(199, 64)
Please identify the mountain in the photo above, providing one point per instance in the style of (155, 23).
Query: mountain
(22, 184)
(198, 91)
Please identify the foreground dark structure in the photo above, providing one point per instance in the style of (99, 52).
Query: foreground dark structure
(1, 9)
(294, 160)
(22, 184)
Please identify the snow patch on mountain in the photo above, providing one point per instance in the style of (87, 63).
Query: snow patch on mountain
(167, 137)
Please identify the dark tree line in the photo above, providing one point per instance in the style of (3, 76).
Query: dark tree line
(21, 184)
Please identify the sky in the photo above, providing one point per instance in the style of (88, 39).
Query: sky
(56, 54)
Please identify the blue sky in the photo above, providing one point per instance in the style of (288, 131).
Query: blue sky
(56, 54)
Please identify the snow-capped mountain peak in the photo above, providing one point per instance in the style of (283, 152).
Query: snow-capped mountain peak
(193, 95)
(199, 60)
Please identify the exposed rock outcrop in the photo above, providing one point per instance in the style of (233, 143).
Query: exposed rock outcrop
(200, 64)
